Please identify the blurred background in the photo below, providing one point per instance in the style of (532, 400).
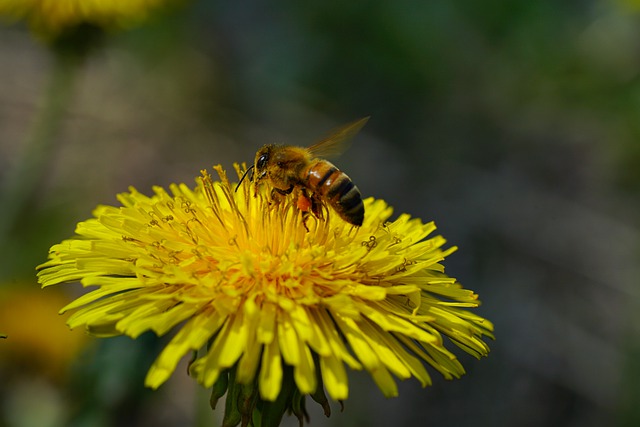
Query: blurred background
(515, 125)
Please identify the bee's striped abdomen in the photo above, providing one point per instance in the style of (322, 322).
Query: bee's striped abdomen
(337, 189)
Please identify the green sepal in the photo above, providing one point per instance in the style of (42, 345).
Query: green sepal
(319, 396)
(232, 415)
(272, 412)
(244, 405)
(247, 401)
(298, 407)
(219, 388)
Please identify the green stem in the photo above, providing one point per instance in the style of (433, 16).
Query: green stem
(21, 182)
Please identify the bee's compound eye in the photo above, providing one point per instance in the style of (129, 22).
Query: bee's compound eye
(262, 161)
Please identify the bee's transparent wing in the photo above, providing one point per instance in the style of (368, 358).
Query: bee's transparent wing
(337, 140)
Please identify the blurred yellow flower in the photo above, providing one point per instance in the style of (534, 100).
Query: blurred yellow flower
(53, 17)
(276, 303)
(37, 340)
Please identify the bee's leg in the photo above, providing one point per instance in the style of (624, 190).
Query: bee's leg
(277, 194)
(305, 217)
(284, 192)
(304, 204)
(316, 206)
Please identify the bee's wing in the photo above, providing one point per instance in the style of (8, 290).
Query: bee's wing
(336, 142)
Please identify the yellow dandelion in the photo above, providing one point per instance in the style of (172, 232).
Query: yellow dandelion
(48, 351)
(53, 17)
(266, 300)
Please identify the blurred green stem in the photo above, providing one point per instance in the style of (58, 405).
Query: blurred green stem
(629, 394)
(204, 415)
(22, 179)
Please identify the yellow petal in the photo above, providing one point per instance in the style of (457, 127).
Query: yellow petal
(270, 372)
(304, 373)
(334, 377)
(193, 335)
(358, 342)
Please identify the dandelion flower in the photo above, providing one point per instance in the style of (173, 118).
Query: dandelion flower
(266, 300)
(53, 17)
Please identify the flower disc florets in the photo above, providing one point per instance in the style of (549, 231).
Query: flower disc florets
(242, 276)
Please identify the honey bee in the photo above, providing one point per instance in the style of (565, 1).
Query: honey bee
(287, 168)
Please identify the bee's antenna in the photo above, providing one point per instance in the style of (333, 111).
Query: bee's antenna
(243, 176)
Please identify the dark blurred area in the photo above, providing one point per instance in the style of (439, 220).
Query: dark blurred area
(514, 125)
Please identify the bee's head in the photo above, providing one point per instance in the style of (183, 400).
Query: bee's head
(262, 160)
(259, 165)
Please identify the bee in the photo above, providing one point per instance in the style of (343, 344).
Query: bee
(318, 182)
